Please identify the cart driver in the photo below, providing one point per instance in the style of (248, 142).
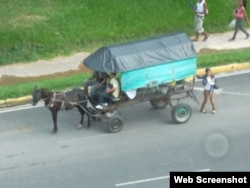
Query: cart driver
(112, 91)
(97, 82)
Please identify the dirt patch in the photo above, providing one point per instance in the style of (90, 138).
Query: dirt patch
(209, 51)
(27, 19)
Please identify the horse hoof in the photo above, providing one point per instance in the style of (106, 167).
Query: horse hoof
(79, 126)
(54, 132)
(88, 126)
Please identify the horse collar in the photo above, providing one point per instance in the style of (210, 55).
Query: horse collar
(49, 104)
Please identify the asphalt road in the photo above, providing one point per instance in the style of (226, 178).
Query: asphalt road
(141, 155)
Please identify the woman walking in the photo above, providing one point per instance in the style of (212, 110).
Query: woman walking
(209, 83)
(239, 14)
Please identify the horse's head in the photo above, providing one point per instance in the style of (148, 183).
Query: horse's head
(36, 96)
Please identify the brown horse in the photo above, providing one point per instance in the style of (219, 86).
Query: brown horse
(66, 100)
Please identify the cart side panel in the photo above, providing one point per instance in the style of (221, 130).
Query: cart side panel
(156, 75)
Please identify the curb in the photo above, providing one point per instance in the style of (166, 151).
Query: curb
(15, 102)
(226, 68)
(219, 69)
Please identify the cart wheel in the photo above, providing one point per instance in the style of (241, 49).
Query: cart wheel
(158, 103)
(115, 124)
(181, 113)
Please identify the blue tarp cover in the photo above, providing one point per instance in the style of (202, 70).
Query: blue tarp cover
(140, 54)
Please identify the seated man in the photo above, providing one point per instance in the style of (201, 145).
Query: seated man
(97, 82)
(111, 92)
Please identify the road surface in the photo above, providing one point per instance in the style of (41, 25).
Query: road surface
(141, 155)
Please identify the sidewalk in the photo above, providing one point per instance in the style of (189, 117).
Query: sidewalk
(64, 64)
(42, 67)
(220, 42)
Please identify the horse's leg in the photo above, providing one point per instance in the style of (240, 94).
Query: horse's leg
(54, 116)
(82, 117)
(89, 120)
(87, 111)
(88, 115)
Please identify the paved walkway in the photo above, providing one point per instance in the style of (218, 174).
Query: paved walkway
(63, 64)
(43, 67)
(221, 42)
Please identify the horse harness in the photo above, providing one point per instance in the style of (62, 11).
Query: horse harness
(49, 104)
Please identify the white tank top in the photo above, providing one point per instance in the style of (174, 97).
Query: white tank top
(210, 83)
(200, 8)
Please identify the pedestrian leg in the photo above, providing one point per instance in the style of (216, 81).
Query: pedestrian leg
(237, 26)
(205, 36)
(244, 31)
(206, 95)
(212, 102)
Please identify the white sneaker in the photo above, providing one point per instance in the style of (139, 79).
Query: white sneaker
(99, 107)
(203, 111)
(105, 104)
